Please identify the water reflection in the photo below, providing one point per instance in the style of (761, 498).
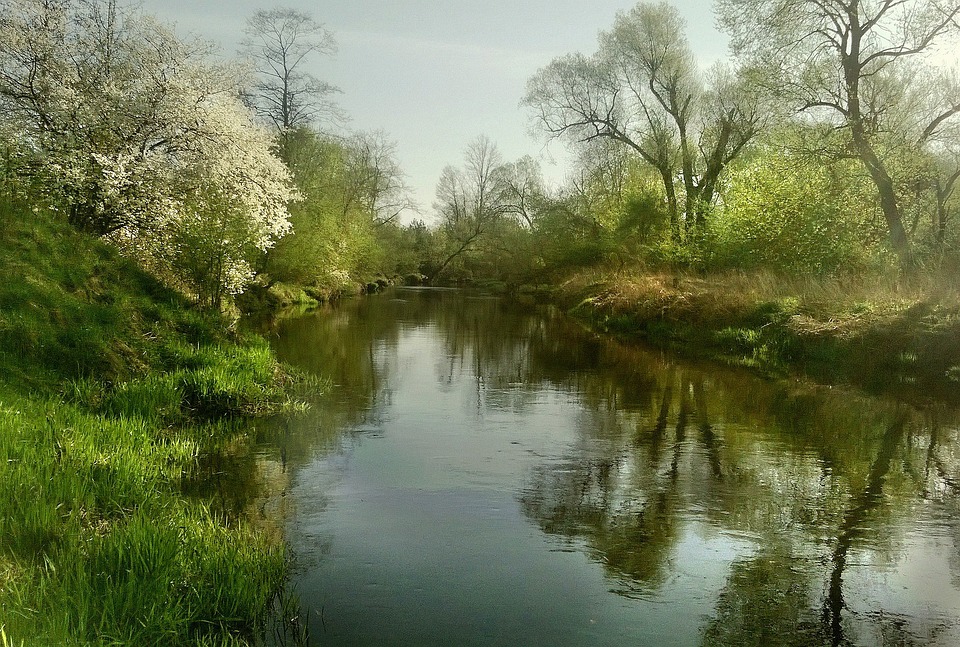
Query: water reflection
(716, 505)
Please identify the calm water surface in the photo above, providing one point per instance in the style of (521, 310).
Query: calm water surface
(483, 474)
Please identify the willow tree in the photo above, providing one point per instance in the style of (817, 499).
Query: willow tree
(848, 62)
(643, 89)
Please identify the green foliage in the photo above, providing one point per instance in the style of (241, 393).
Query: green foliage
(111, 388)
(338, 237)
(568, 238)
(139, 137)
(788, 212)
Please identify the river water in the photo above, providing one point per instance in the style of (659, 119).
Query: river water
(488, 474)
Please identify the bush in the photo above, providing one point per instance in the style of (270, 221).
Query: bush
(783, 212)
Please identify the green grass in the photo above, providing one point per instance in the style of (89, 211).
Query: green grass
(111, 389)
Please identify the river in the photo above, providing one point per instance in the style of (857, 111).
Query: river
(483, 473)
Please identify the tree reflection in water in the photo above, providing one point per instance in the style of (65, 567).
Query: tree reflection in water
(835, 493)
(820, 479)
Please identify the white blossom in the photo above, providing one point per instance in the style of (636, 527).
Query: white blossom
(136, 135)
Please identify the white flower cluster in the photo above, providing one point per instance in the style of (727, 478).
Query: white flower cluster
(135, 134)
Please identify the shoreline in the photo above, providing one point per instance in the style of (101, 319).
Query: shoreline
(907, 345)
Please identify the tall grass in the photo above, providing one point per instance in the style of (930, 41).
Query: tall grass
(111, 389)
(879, 330)
(98, 545)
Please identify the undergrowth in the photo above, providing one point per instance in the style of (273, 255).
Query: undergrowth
(881, 331)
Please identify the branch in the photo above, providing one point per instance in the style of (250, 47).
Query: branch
(942, 117)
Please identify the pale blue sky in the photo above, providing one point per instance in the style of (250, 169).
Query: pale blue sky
(434, 74)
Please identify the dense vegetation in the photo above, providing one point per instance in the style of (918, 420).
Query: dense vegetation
(827, 145)
(792, 206)
(795, 205)
(113, 387)
(137, 196)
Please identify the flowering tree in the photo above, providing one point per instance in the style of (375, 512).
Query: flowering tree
(135, 135)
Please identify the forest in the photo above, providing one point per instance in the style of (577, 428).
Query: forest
(794, 206)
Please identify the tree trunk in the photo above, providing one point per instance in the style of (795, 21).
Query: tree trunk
(672, 208)
(852, 71)
(899, 241)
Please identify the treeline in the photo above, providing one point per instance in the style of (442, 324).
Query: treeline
(213, 173)
(828, 144)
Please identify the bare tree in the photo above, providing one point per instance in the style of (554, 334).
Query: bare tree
(470, 200)
(280, 43)
(840, 60)
(375, 181)
(524, 192)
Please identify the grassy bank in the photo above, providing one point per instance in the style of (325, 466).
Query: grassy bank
(111, 389)
(881, 334)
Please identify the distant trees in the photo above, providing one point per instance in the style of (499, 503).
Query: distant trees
(136, 135)
(469, 200)
(375, 180)
(860, 66)
(345, 228)
(753, 161)
(354, 192)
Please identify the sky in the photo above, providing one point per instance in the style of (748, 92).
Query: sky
(433, 75)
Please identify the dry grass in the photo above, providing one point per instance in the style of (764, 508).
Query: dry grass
(815, 305)
(881, 332)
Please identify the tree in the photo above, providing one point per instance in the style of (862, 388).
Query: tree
(327, 233)
(234, 206)
(375, 181)
(769, 220)
(134, 134)
(643, 90)
(469, 200)
(524, 193)
(345, 228)
(280, 43)
(848, 61)
(943, 149)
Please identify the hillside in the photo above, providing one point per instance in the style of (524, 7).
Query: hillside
(111, 389)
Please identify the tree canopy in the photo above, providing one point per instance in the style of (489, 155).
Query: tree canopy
(858, 65)
(642, 89)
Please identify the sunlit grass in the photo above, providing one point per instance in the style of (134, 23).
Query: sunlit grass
(835, 326)
(111, 390)
(97, 544)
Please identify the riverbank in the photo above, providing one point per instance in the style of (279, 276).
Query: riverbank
(882, 335)
(113, 389)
